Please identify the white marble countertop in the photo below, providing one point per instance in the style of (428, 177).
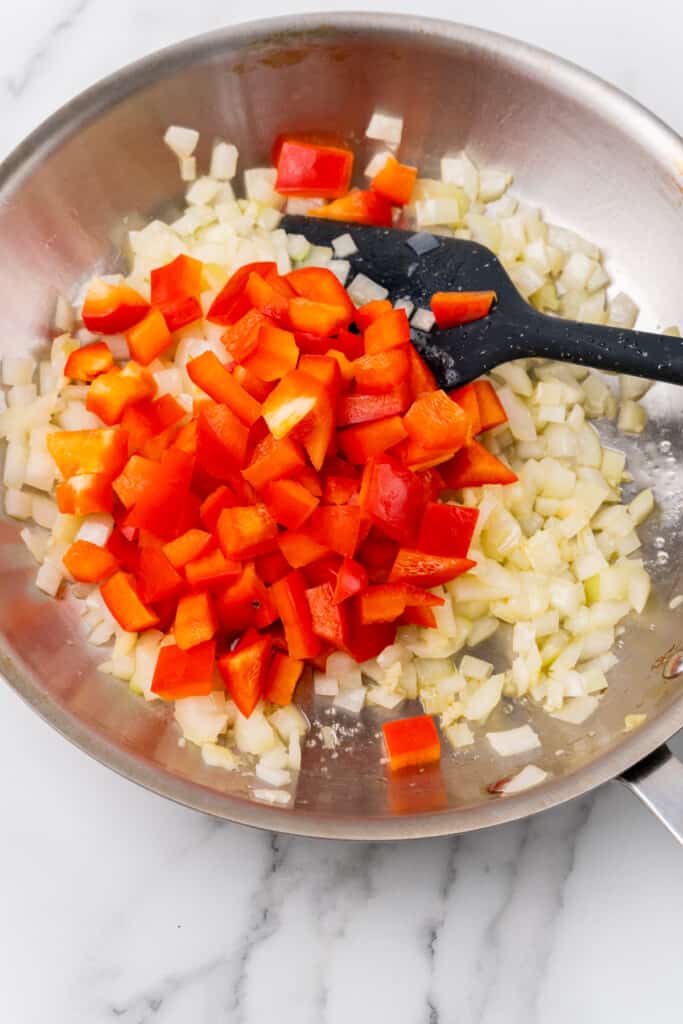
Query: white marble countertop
(117, 905)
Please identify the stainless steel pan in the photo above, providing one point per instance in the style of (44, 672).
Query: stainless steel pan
(593, 160)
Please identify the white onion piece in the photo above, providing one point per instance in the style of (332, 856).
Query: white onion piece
(216, 756)
(576, 710)
(350, 700)
(363, 290)
(385, 128)
(423, 320)
(513, 741)
(528, 777)
(271, 796)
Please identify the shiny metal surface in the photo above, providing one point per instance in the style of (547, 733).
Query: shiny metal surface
(593, 160)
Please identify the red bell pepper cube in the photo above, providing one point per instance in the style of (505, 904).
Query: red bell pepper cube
(395, 181)
(283, 675)
(275, 355)
(316, 432)
(475, 466)
(112, 308)
(231, 303)
(291, 401)
(337, 527)
(135, 479)
(392, 497)
(222, 441)
(85, 494)
(175, 291)
(188, 546)
(418, 458)
(121, 598)
(239, 603)
(352, 409)
(466, 398)
(195, 620)
(209, 374)
(317, 317)
(244, 673)
(89, 362)
(289, 596)
(272, 567)
(124, 549)
(420, 377)
(436, 422)
(491, 411)
(167, 509)
(365, 642)
(386, 332)
(180, 674)
(300, 548)
(357, 207)
(365, 440)
(279, 283)
(89, 563)
(212, 506)
(432, 483)
(411, 742)
(351, 579)
(320, 285)
(148, 338)
(78, 452)
(309, 478)
(382, 371)
(324, 368)
(345, 341)
(322, 570)
(156, 578)
(424, 570)
(446, 530)
(186, 439)
(289, 502)
(308, 170)
(372, 311)
(211, 569)
(273, 460)
(339, 490)
(268, 300)
(112, 392)
(454, 308)
(138, 422)
(252, 384)
(246, 531)
(418, 616)
(330, 620)
(386, 602)
(241, 338)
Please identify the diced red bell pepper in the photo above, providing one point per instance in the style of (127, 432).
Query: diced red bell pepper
(447, 530)
(289, 502)
(332, 139)
(187, 547)
(89, 362)
(246, 531)
(386, 602)
(316, 432)
(420, 376)
(352, 409)
(256, 387)
(436, 422)
(175, 291)
(352, 579)
(268, 300)
(387, 332)
(357, 207)
(454, 308)
(392, 497)
(330, 620)
(209, 374)
(78, 452)
(320, 285)
(291, 401)
(411, 742)
(424, 570)
(418, 616)
(244, 673)
(289, 596)
(156, 577)
(211, 569)
(324, 368)
(195, 620)
(432, 483)
(475, 466)
(124, 549)
(367, 642)
(112, 392)
(121, 598)
(300, 548)
(165, 508)
(365, 440)
(372, 311)
(231, 303)
(345, 341)
(89, 563)
(382, 371)
(137, 476)
(337, 527)
(491, 411)
(275, 354)
(418, 458)
(272, 567)
(148, 338)
(273, 460)
(317, 317)
(239, 603)
(322, 570)
(241, 338)
(112, 308)
(339, 490)
(466, 398)
(318, 171)
(395, 181)
(180, 674)
(310, 480)
(213, 505)
(283, 675)
(222, 441)
(85, 494)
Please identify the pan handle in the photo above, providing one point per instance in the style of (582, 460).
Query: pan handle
(658, 782)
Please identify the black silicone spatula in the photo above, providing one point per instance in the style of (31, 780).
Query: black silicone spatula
(513, 329)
